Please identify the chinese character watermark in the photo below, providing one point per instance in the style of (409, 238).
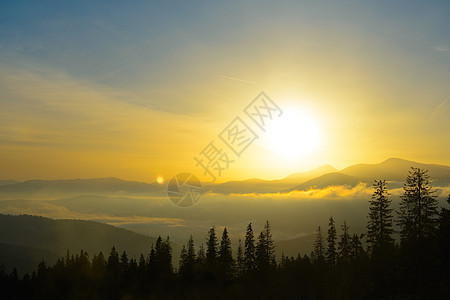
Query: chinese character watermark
(185, 189)
(262, 110)
(213, 161)
(238, 136)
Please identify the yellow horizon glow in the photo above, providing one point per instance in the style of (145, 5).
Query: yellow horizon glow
(63, 127)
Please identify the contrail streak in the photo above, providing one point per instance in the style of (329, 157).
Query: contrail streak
(438, 107)
(237, 79)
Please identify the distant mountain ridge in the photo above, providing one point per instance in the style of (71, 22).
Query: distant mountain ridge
(6, 182)
(66, 187)
(270, 186)
(329, 179)
(394, 170)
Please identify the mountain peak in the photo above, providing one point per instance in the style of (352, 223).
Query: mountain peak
(326, 167)
(396, 160)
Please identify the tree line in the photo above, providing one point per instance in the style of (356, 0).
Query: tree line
(342, 265)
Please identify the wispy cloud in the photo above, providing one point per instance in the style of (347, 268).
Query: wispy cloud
(338, 193)
(127, 220)
(440, 48)
(331, 192)
(238, 79)
(439, 107)
(52, 114)
(50, 210)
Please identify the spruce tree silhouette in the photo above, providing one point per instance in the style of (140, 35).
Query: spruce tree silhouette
(418, 207)
(249, 251)
(380, 241)
(211, 252)
(226, 262)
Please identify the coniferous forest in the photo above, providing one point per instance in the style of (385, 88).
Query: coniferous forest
(343, 264)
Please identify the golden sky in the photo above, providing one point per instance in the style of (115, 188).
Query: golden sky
(104, 89)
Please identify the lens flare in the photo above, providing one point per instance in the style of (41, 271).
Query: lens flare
(159, 179)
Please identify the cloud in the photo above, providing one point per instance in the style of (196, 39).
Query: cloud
(335, 193)
(128, 220)
(440, 48)
(436, 110)
(331, 192)
(444, 192)
(292, 213)
(238, 79)
(71, 122)
(49, 210)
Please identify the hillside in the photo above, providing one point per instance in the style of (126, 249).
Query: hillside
(331, 179)
(271, 186)
(58, 236)
(24, 259)
(301, 245)
(69, 187)
(396, 169)
(7, 182)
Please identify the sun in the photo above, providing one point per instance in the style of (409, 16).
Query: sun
(160, 179)
(293, 135)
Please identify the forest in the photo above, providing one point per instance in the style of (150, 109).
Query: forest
(402, 255)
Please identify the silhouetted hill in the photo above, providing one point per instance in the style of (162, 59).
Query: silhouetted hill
(396, 170)
(105, 204)
(292, 247)
(244, 186)
(303, 176)
(270, 186)
(24, 259)
(57, 236)
(57, 188)
(6, 182)
(331, 179)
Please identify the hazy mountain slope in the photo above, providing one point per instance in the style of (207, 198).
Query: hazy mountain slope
(303, 245)
(244, 186)
(396, 169)
(331, 179)
(58, 188)
(59, 235)
(24, 259)
(393, 170)
(268, 186)
(6, 182)
(304, 176)
(104, 204)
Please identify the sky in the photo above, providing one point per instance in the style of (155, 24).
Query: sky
(137, 89)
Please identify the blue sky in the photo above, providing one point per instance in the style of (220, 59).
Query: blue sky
(116, 42)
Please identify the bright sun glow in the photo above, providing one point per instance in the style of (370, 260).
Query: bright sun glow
(160, 179)
(293, 135)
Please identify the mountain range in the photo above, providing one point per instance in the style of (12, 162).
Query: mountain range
(394, 170)
(72, 187)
